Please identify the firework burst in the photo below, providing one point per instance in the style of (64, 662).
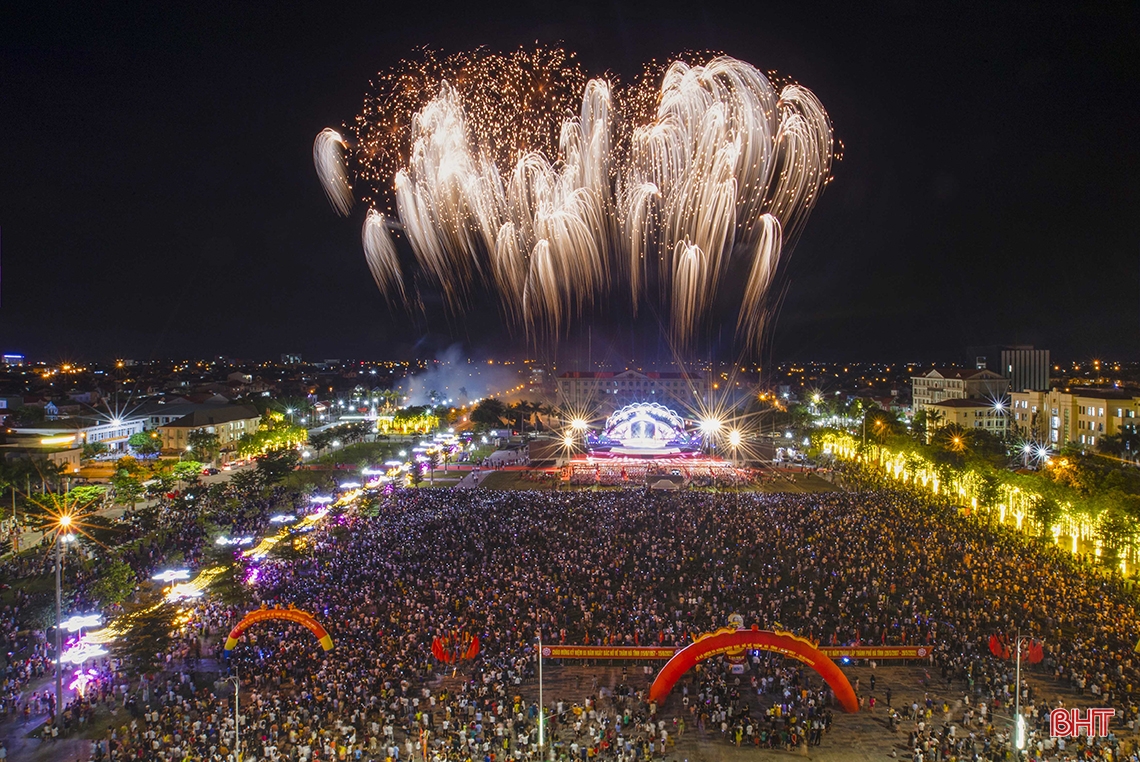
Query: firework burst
(518, 172)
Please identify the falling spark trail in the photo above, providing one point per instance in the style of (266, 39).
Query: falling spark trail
(328, 157)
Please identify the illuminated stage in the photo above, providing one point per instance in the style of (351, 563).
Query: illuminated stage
(644, 430)
(646, 444)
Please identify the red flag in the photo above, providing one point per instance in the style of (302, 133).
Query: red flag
(995, 645)
(473, 649)
(437, 649)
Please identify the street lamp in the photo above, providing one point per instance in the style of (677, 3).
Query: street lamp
(237, 717)
(709, 427)
(181, 455)
(734, 442)
(63, 526)
(541, 705)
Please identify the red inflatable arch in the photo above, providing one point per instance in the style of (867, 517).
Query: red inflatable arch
(289, 615)
(723, 641)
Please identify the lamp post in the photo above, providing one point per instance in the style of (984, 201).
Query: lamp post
(734, 439)
(1019, 729)
(64, 524)
(541, 705)
(237, 718)
(183, 453)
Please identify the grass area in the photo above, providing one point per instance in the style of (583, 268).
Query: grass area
(303, 480)
(790, 482)
(806, 482)
(514, 480)
(372, 452)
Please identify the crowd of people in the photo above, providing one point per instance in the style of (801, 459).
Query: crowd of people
(639, 473)
(631, 567)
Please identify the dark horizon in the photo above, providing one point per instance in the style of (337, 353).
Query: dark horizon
(160, 200)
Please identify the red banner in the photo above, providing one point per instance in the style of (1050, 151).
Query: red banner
(653, 652)
(607, 652)
(877, 652)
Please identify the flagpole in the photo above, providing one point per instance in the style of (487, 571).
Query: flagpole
(541, 705)
(1018, 723)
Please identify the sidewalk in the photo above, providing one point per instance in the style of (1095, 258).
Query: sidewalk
(21, 748)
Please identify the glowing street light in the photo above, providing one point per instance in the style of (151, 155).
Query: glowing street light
(734, 438)
(77, 622)
(62, 533)
(172, 575)
(578, 424)
(710, 426)
(81, 652)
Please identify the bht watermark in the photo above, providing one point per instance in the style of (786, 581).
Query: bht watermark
(1068, 723)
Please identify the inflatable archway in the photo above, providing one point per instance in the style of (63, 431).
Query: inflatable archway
(726, 640)
(289, 615)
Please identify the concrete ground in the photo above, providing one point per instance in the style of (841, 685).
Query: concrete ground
(852, 738)
(861, 737)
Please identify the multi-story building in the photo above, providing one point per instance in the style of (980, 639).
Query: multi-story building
(1073, 416)
(969, 413)
(229, 422)
(81, 430)
(1024, 366)
(158, 414)
(606, 392)
(940, 384)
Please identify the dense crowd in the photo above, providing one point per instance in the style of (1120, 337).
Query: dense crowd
(633, 568)
(635, 473)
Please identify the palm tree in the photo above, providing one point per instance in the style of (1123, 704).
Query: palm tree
(524, 410)
(546, 410)
(391, 399)
(934, 420)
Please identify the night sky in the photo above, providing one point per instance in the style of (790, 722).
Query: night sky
(157, 194)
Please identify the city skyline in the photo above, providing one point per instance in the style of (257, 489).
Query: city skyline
(179, 213)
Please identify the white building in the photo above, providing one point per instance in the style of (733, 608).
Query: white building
(606, 392)
(76, 432)
(969, 414)
(942, 384)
